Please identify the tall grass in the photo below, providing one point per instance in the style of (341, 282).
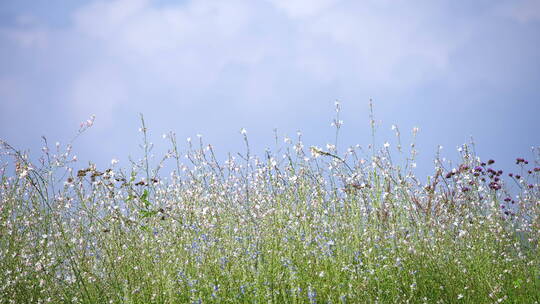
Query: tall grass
(298, 225)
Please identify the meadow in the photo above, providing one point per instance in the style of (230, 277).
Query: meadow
(303, 224)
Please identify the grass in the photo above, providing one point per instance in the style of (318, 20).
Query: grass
(299, 225)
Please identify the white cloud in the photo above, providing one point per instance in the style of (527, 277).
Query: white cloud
(248, 50)
(140, 28)
(201, 38)
(381, 41)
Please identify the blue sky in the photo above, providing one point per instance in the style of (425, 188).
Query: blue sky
(452, 68)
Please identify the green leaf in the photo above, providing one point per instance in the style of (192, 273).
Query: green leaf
(148, 213)
(144, 199)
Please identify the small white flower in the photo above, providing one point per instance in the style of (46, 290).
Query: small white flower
(243, 131)
(315, 151)
(386, 144)
(114, 161)
(460, 296)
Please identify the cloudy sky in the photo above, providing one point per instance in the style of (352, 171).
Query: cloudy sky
(452, 68)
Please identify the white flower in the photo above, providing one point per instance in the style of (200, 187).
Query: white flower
(386, 144)
(23, 174)
(315, 151)
(243, 131)
(114, 161)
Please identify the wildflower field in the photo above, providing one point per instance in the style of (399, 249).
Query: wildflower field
(299, 225)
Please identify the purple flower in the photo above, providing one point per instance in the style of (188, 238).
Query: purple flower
(494, 186)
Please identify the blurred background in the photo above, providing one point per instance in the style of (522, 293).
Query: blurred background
(455, 69)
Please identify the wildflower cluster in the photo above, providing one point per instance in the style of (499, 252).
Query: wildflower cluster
(297, 226)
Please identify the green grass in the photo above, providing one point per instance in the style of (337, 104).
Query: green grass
(291, 227)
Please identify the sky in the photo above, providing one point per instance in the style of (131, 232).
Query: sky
(454, 69)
